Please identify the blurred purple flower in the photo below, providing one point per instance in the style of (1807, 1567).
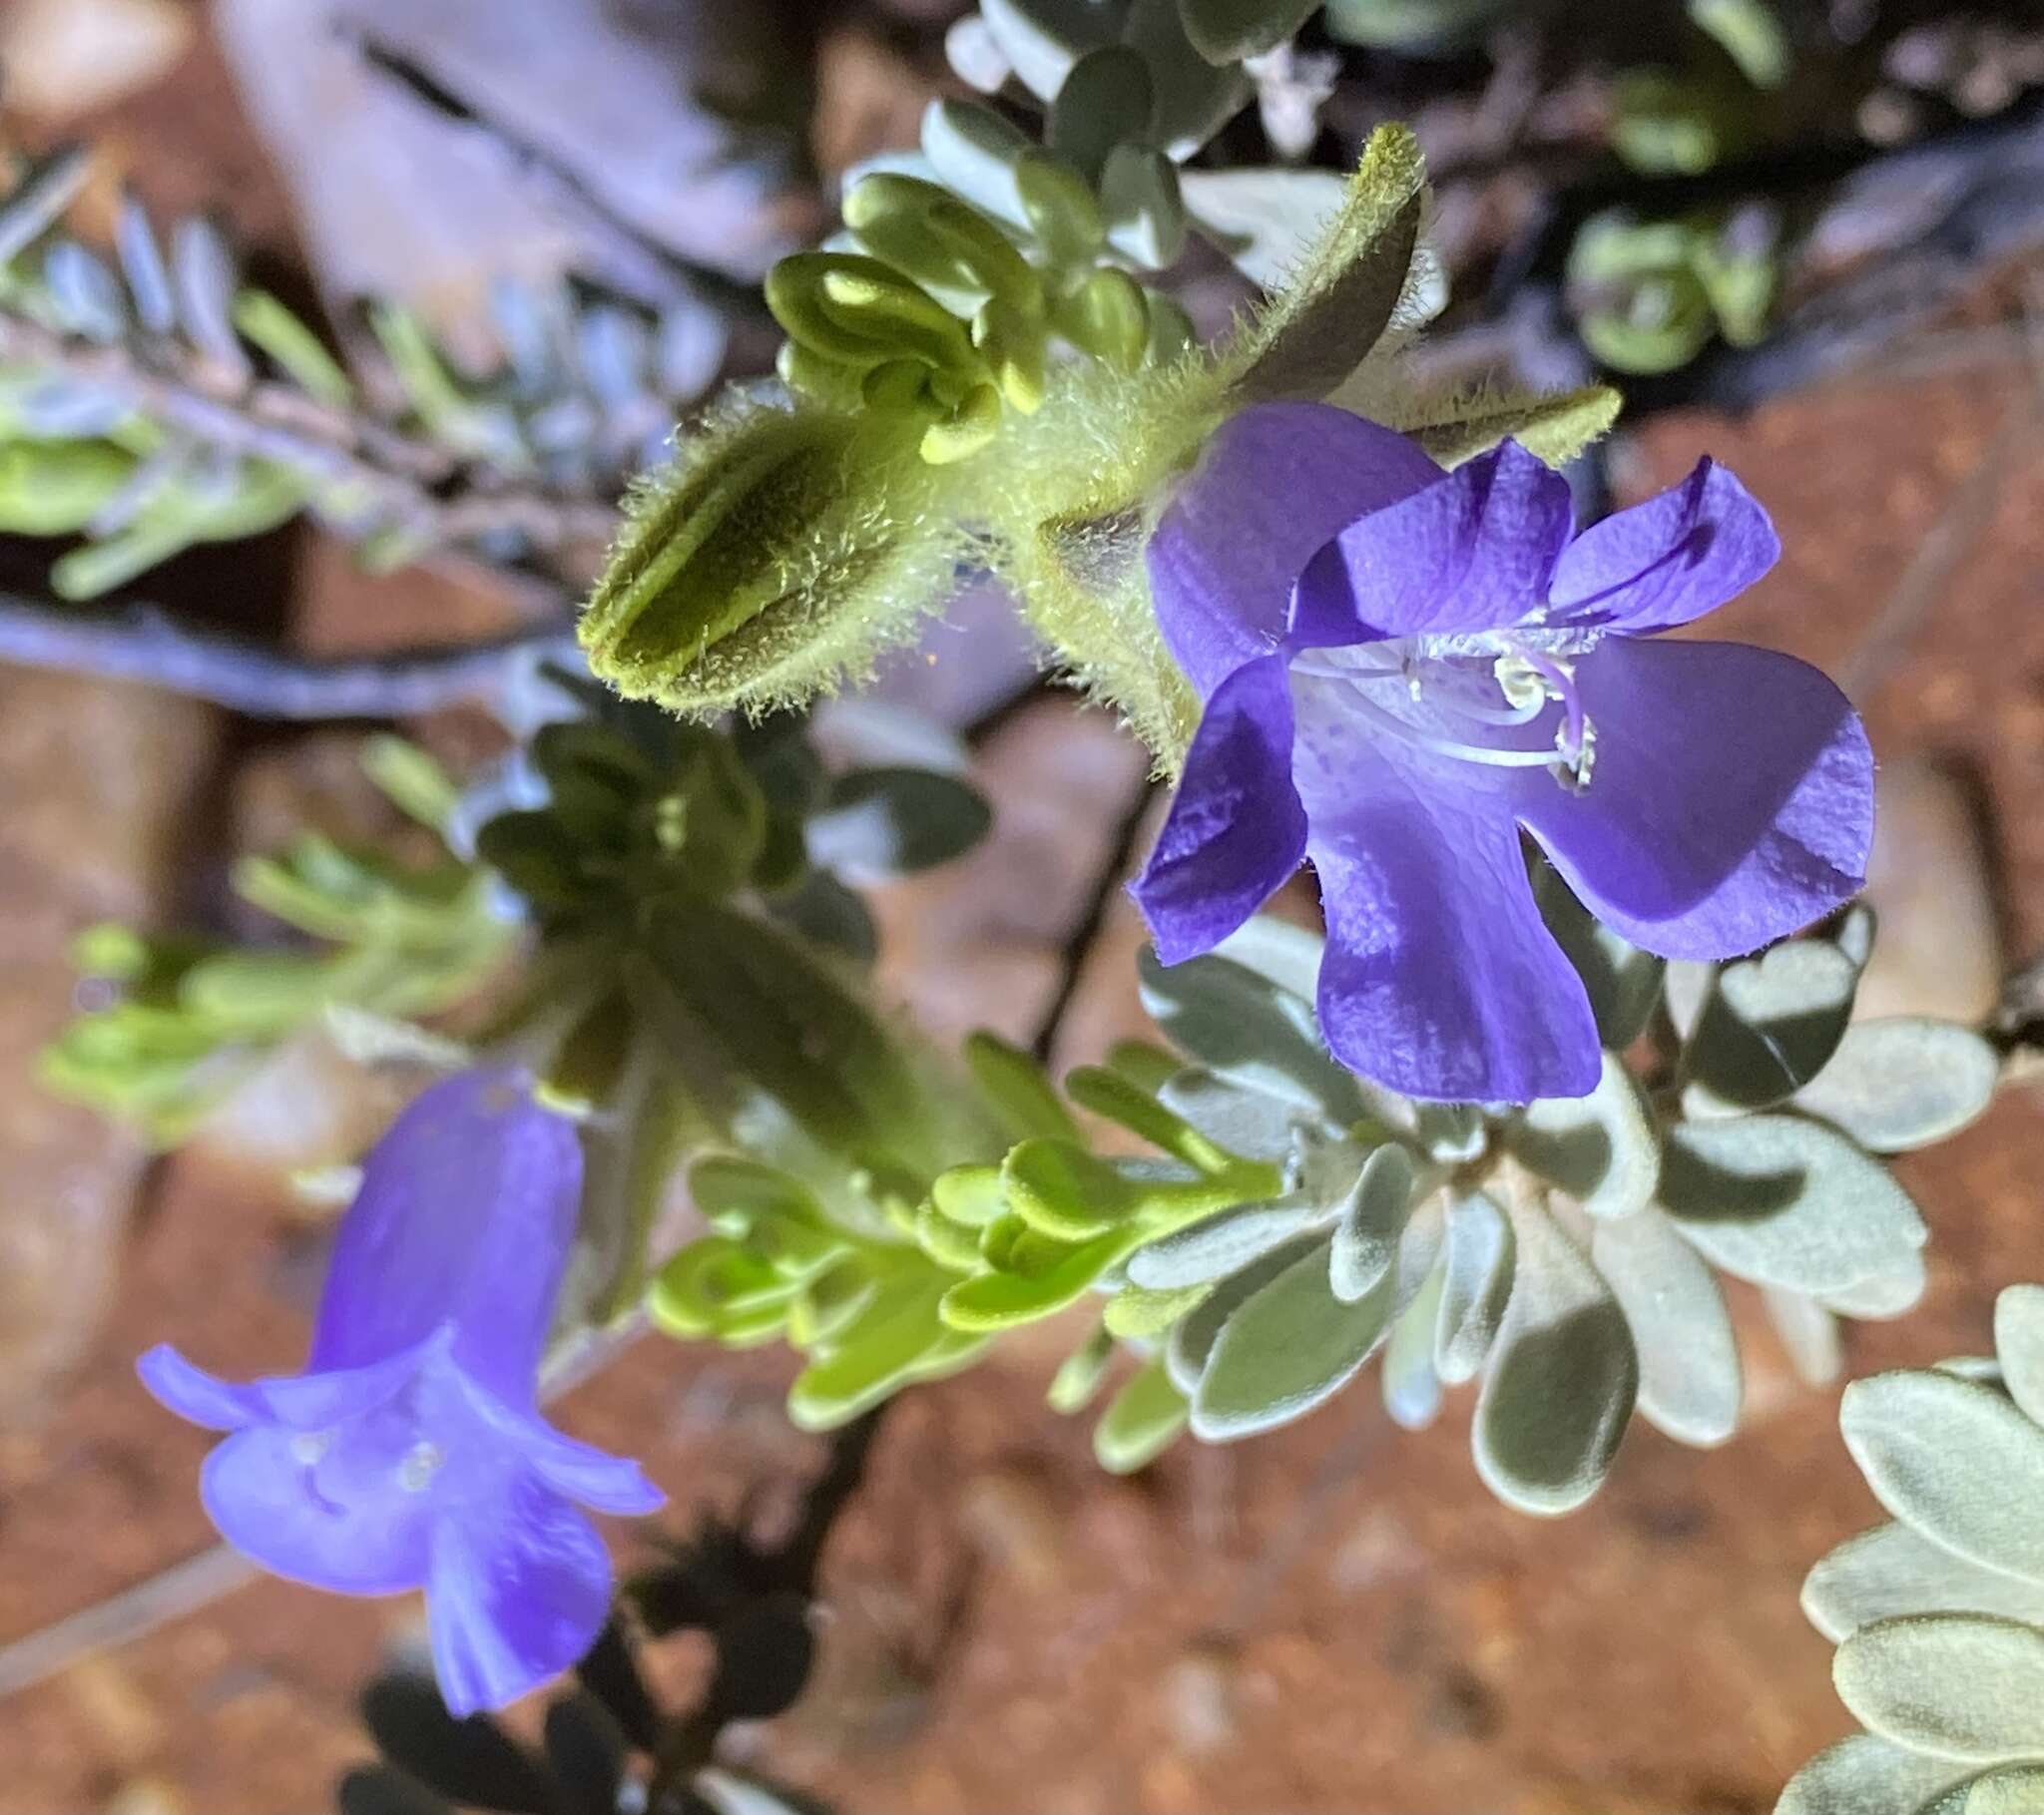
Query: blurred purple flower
(410, 1452)
(1401, 668)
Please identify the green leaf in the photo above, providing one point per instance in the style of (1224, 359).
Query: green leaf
(1105, 99)
(1194, 97)
(1809, 1334)
(1137, 1313)
(295, 348)
(1892, 1571)
(1366, 1232)
(2019, 1346)
(1042, 39)
(1623, 982)
(1600, 1149)
(1000, 1301)
(1787, 1203)
(1412, 1389)
(1139, 1421)
(1218, 1246)
(1248, 1031)
(1955, 1461)
(1750, 35)
(1078, 1378)
(1769, 1026)
(1289, 1348)
(1229, 31)
(1563, 1375)
(1190, 1344)
(879, 824)
(1475, 1286)
(1865, 1775)
(783, 1022)
(1017, 1090)
(1239, 1120)
(1895, 1085)
(883, 1348)
(55, 488)
(1690, 1380)
(1958, 1687)
(974, 153)
(1144, 209)
(1348, 292)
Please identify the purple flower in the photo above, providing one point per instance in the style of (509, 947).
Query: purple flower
(1402, 668)
(411, 1453)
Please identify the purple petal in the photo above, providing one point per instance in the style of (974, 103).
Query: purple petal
(1671, 559)
(1732, 800)
(298, 1402)
(1474, 550)
(1668, 560)
(466, 1214)
(1275, 484)
(1235, 829)
(610, 1484)
(520, 1586)
(263, 1488)
(1440, 978)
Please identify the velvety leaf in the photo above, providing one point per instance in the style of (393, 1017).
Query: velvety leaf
(2019, 1346)
(1042, 39)
(470, 1762)
(1139, 1421)
(1690, 1380)
(1563, 1375)
(1600, 1149)
(1014, 1085)
(1787, 1203)
(1894, 1570)
(1809, 1334)
(1144, 206)
(1248, 1031)
(1195, 99)
(1190, 1346)
(2012, 1790)
(1865, 1775)
(1228, 31)
(1243, 1122)
(1219, 1246)
(586, 1751)
(1105, 98)
(1371, 1219)
(1898, 1085)
(378, 1790)
(1412, 1389)
(974, 153)
(1475, 1286)
(1888, 1293)
(1623, 982)
(1959, 1686)
(879, 824)
(1078, 1378)
(1770, 1027)
(1287, 1349)
(1278, 952)
(1957, 1461)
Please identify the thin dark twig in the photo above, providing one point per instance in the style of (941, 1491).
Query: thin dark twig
(140, 642)
(1078, 944)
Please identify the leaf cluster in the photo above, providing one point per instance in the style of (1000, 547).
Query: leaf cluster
(1938, 1615)
(1290, 1222)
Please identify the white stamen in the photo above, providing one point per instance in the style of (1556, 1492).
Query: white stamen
(308, 1446)
(417, 1468)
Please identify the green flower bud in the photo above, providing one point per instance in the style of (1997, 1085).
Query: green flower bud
(784, 549)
